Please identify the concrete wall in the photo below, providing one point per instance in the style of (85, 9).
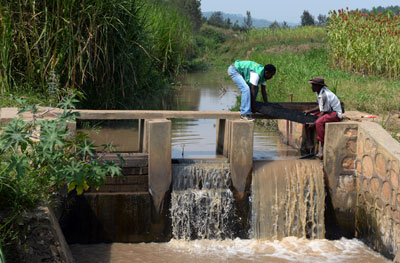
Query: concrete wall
(362, 164)
(378, 180)
(41, 238)
(340, 175)
(362, 175)
(298, 136)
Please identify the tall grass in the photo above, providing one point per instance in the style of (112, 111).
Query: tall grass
(261, 40)
(104, 48)
(170, 36)
(365, 43)
(287, 35)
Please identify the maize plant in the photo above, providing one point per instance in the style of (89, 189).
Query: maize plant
(367, 43)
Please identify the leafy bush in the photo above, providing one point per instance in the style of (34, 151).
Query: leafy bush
(39, 156)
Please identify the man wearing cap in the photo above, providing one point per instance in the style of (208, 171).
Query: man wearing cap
(329, 109)
(247, 75)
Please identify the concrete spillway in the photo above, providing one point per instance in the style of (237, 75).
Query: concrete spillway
(288, 199)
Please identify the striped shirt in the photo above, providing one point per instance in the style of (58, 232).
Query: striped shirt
(329, 102)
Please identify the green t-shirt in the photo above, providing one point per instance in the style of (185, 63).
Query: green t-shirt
(244, 68)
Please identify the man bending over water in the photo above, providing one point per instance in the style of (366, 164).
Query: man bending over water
(247, 75)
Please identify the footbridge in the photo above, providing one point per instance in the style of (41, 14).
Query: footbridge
(234, 141)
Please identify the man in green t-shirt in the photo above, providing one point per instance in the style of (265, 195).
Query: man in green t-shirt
(247, 75)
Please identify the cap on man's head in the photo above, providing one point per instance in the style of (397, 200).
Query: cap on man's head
(317, 81)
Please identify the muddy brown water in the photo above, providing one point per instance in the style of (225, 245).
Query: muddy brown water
(289, 249)
(196, 139)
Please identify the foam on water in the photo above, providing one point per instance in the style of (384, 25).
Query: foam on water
(289, 249)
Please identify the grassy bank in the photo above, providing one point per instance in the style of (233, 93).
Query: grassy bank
(300, 54)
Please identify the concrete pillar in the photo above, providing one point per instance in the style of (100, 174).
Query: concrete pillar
(158, 138)
(141, 132)
(71, 128)
(220, 136)
(241, 155)
(241, 163)
(227, 140)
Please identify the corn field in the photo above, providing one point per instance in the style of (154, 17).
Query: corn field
(366, 43)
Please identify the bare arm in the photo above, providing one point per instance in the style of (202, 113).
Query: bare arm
(253, 91)
(315, 109)
(264, 93)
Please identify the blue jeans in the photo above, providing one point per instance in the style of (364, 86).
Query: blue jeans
(245, 106)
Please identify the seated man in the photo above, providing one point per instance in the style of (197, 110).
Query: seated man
(329, 109)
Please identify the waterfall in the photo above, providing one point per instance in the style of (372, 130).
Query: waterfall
(288, 199)
(202, 205)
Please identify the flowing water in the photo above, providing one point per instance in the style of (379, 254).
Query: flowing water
(288, 199)
(202, 205)
(290, 249)
(287, 196)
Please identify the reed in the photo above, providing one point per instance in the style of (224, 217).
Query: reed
(110, 50)
(170, 35)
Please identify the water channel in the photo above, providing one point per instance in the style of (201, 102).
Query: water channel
(196, 139)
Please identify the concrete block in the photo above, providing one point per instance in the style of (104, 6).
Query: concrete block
(141, 133)
(241, 155)
(227, 138)
(109, 217)
(221, 124)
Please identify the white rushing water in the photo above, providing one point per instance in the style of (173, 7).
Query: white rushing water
(201, 202)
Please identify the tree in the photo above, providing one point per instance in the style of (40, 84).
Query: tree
(307, 19)
(284, 25)
(192, 9)
(322, 19)
(236, 26)
(274, 25)
(216, 19)
(228, 23)
(248, 22)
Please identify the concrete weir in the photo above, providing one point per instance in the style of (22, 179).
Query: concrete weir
(135, 208)
(362, 175)
(264, 200)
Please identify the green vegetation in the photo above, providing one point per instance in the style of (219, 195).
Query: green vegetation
(116, 52)
(300, 54)
(32, 170)
(365, 43)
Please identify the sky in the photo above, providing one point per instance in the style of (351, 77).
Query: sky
(289, 11)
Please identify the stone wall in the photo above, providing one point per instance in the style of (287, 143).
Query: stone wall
(41, 238)
(362, 167)
(340, 154)
(378, 193)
